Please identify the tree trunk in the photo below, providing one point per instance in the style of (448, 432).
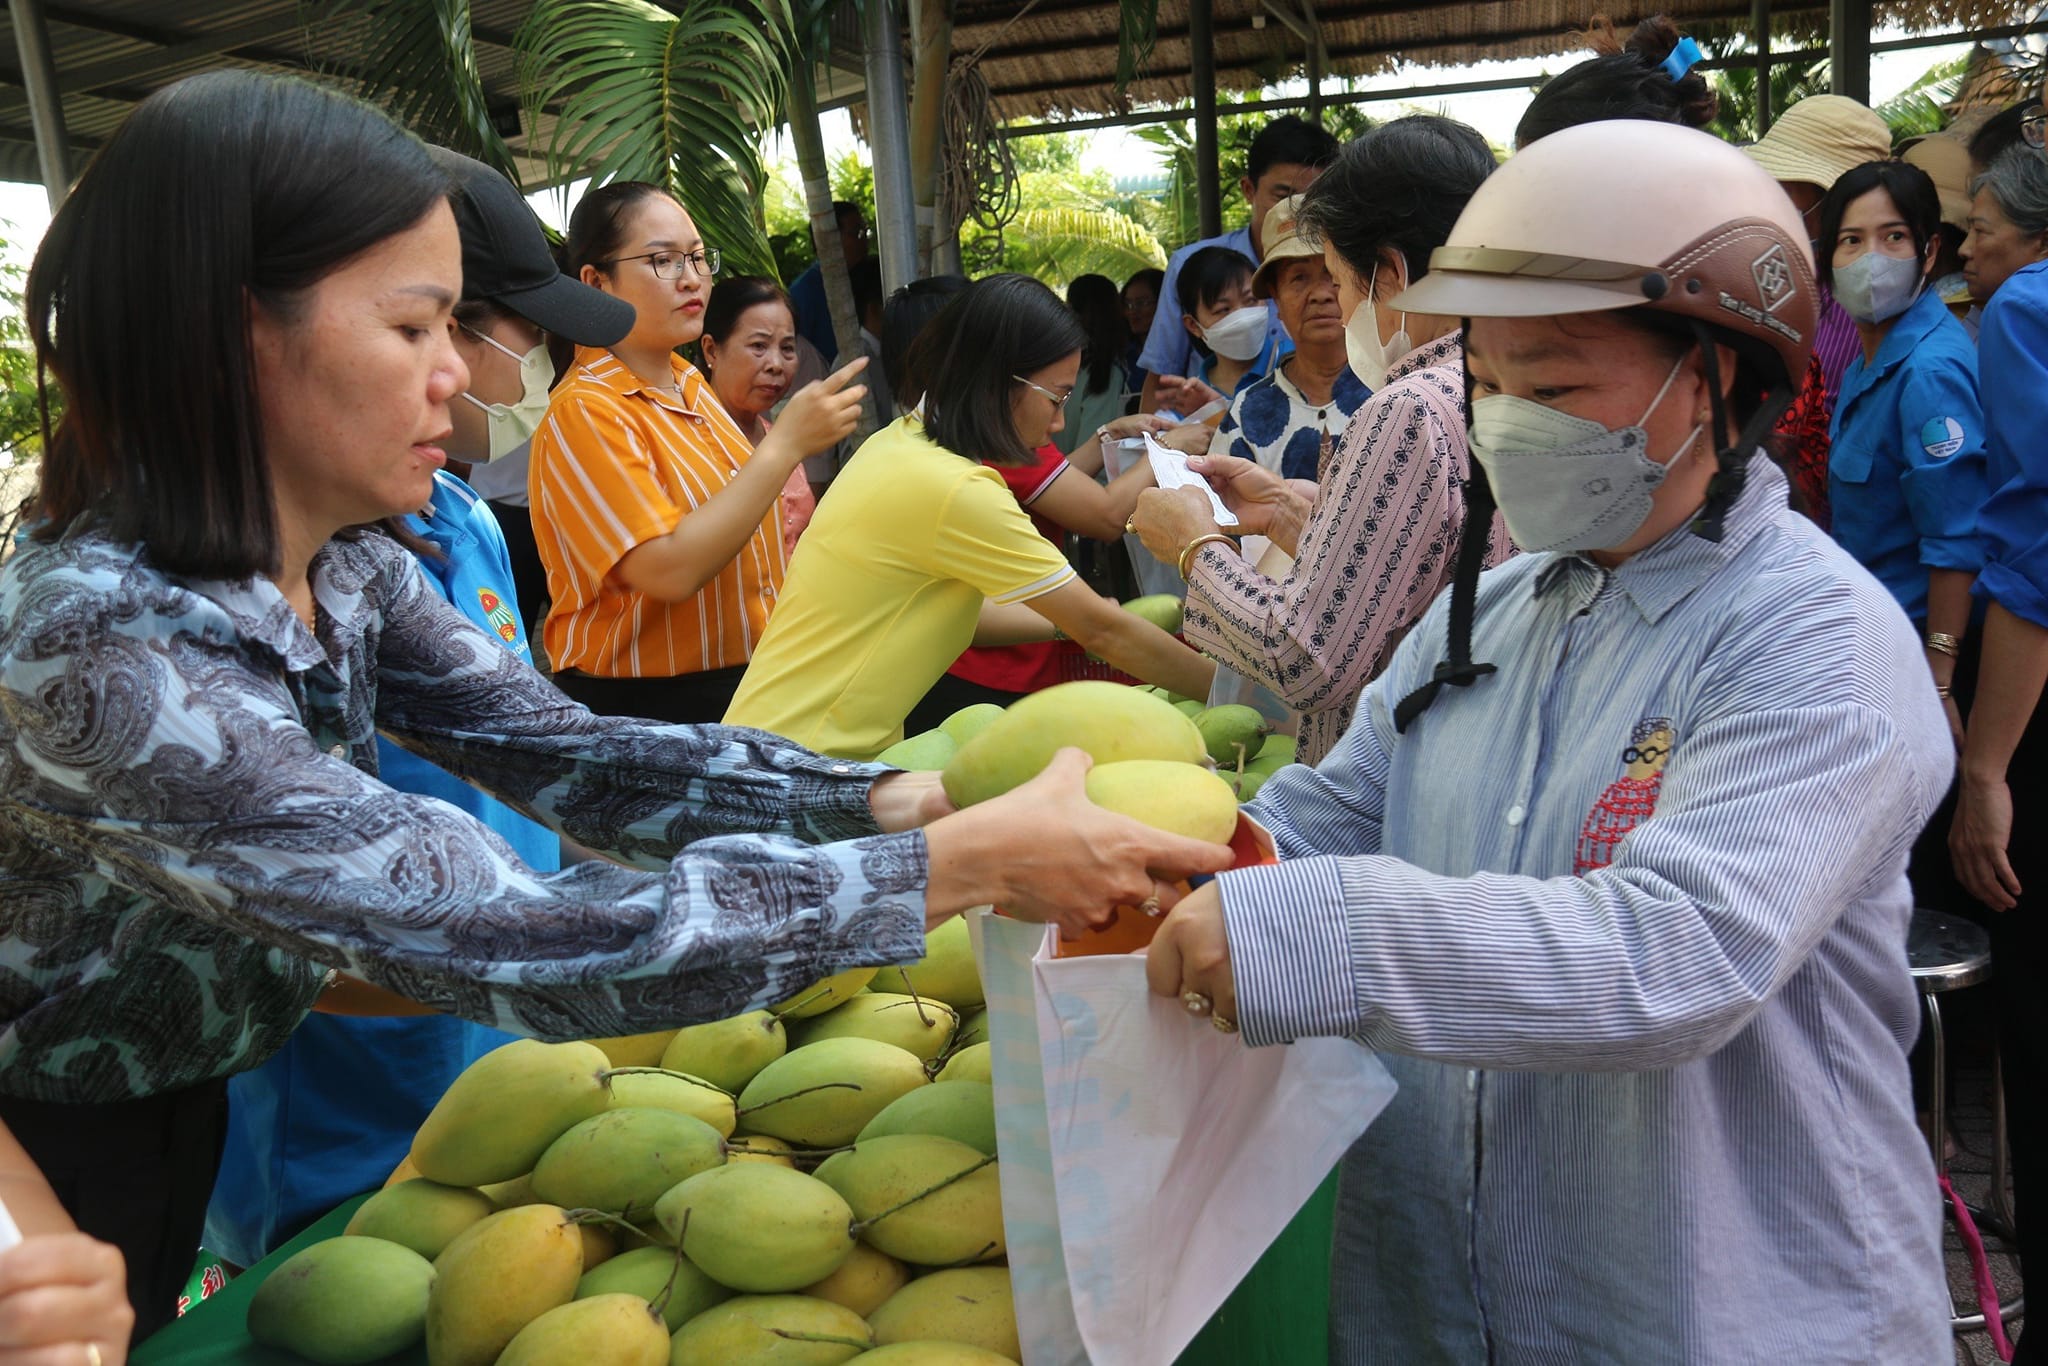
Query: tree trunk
(810, 160)
(931, 26)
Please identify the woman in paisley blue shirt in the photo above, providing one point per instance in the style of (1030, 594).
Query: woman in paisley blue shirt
(246, 301)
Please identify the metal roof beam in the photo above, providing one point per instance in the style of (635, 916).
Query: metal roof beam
(113, 76)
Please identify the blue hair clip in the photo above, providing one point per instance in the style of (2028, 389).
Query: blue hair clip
(1681, 59)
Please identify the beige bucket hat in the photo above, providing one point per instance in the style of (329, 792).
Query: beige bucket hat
(1820, 139)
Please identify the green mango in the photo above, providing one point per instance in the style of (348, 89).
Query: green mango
(1227, 728)
(923, 753)
(1161, 609)
(625, 1159)
(772, 1330)
(344, 1301)
(968, 722)
(759, 1228)
(947, 972)
(821, 996)
(973, 1029)
(970, 1305)
(1109, 721)
(646, 1272)
(497, 1118)
(727, 1053)
(1191, 707)
(911, 1200)
(602, 1330)
(922, 1027)
(1184, 799)
(931, 1354)
(823, 1095)
(969, 1064)
(420, 1214)
(677, 1091)
(964, 1111)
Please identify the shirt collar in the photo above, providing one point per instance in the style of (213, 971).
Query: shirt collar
(1658, 577)
(261, 616)
(1914, 326)
(608, 370)
(1449, 349)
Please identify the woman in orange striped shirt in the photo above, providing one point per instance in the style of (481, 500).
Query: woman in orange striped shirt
(660, 524)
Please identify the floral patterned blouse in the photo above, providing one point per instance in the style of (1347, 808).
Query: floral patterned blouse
(192, 829)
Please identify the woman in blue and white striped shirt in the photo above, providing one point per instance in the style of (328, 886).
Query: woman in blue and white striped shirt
(1624, 904)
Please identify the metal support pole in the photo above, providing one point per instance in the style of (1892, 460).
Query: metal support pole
(889, 137)
(1849, 48)
(45, 106)
(1315, 81)
(1760, 26)
(1202, 76)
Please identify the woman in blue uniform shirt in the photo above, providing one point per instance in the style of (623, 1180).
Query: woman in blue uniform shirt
(1906, 472)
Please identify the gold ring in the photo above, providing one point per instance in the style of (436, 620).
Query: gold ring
(92, 1354)
(1150, 905)
(1131, 525)
(1196, 1002)
(1223, 1026)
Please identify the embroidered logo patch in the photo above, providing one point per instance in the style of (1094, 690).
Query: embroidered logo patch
(1630, 799)
(498, 614)
(1942, 437)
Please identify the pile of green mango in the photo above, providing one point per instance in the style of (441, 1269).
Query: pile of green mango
(808, 1185)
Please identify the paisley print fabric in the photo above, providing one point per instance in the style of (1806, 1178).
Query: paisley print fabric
(192, 830)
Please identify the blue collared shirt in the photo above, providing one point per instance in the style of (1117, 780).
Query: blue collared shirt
(1906, 470)
(2012, 360)
(1628, 920)
(1169, 350)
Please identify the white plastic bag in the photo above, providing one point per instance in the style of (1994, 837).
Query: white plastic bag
(1147, 1159)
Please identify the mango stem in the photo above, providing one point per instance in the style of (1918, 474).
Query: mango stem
(874, 1219)
(805, 1091)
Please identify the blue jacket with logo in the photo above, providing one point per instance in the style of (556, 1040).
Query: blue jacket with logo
(2013, 357)
(1906, 465)
(334, 1111)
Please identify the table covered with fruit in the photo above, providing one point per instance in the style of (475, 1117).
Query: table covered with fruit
(809, 1185)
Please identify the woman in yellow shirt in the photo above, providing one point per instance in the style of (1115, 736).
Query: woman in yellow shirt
(890, 580)
(659, 523)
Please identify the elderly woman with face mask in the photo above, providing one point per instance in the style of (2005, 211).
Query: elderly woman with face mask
(1611, 867)
(1372, 538)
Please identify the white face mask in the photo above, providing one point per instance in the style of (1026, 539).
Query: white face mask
(1370, 358)
(513, 425)
(1238, 334)
(1567, 483)
(1874, 287)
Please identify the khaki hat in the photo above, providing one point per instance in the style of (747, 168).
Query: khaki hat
(1283, 243)
(1821, 139)
(1947, 163)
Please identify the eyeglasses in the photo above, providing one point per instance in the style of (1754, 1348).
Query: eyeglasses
(1059, 400)
(668, 265)
(2034, 129)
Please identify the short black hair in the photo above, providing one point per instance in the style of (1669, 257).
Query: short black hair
(1150, 275)
(996, 329)
(597, 228)
(904, 318)
(1911, 190)
(1624, 80)
(1402, 185)
(734, 295)
(1289, 140)
(222, 189)
(843, 209)
(866, 279)
(1206, 274)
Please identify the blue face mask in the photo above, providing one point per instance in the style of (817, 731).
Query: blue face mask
(512, 425)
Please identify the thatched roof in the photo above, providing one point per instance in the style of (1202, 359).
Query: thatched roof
(1058, 57)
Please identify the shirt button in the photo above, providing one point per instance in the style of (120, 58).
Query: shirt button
(841, 768)
(1515, 814)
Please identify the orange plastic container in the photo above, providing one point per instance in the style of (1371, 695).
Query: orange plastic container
(1130, 929)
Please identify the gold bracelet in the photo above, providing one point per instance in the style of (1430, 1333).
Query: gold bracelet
(1189, 551)
(1943, 643)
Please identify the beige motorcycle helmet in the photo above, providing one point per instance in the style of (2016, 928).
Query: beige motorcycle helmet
(1629, 214)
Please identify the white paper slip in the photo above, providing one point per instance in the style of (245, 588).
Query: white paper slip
(1170, 471)
(9, 1233)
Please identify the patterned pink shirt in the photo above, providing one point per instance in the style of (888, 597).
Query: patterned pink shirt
(1378, 545)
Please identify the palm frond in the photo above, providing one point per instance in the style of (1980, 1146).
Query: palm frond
(1922, 107)
(1137, 30)
(419, 57)
(1057, 244)
(681, 99)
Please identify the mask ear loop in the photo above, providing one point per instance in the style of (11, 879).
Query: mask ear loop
(1459, 670)
(1731, 461)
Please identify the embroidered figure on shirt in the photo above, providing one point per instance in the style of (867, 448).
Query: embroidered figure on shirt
(1630, 799)
(499, 614)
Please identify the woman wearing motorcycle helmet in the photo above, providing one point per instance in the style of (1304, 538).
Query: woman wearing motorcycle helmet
(1611, 864)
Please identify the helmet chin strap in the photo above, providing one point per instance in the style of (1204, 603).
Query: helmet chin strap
(1731, 462)
(1459, 671)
